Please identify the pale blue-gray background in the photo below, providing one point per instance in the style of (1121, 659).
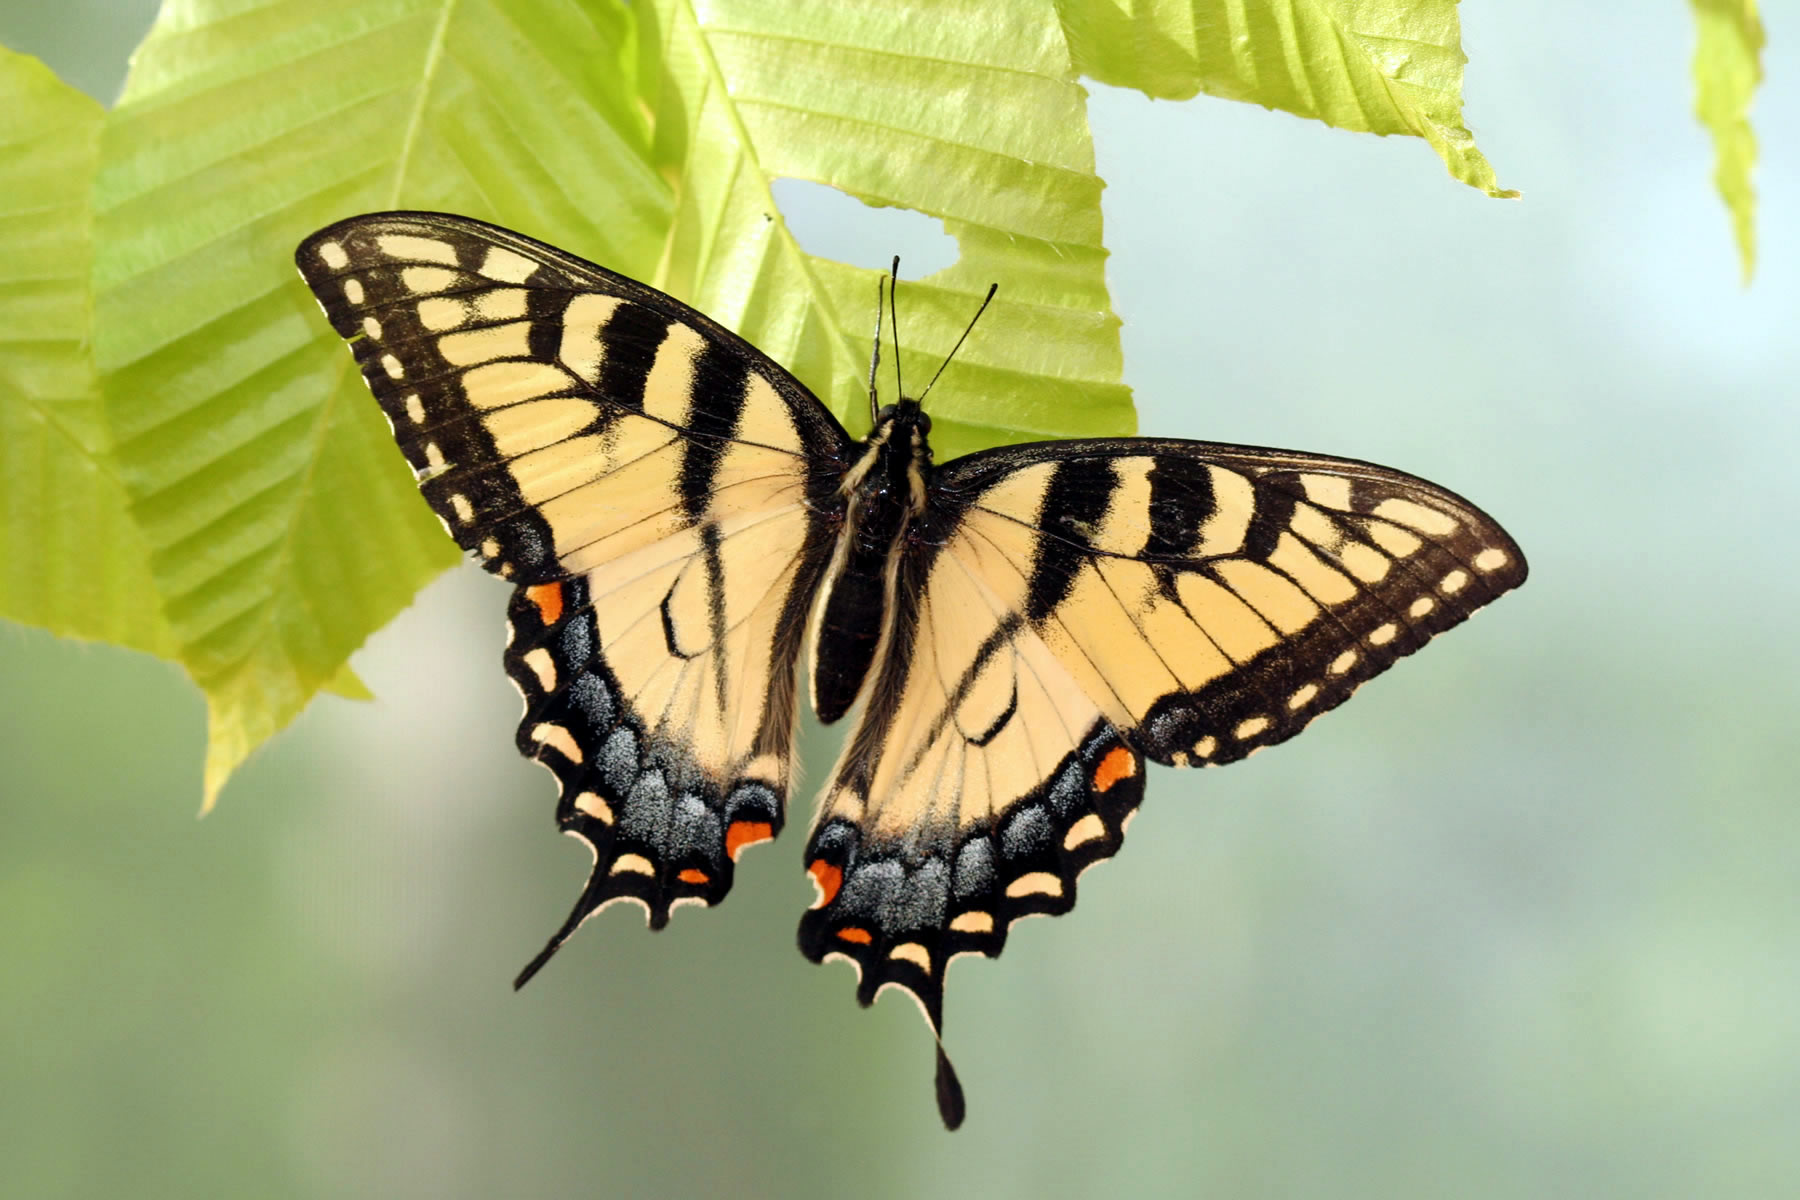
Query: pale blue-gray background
(1522, 920)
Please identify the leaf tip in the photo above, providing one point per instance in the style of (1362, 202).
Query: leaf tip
(347, 685)
(228, 744)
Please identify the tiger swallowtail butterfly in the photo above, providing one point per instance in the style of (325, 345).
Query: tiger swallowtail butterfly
(683, 521)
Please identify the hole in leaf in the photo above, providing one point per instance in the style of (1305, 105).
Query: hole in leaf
(86, 42)
(834, 224)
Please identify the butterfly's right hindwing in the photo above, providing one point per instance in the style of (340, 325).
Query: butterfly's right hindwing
(663, 496)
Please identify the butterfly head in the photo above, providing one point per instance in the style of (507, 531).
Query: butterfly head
(897, 456)
(904, 423)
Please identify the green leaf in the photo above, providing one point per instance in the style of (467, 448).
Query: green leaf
(1374, 66)
(1727, 70)
(71, 556)
(972, 116)
(283, 524)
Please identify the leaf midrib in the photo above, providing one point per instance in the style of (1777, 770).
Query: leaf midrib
(417, 117)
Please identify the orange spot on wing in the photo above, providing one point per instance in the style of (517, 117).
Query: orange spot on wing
(694, 875)
(829, 879)
(549, 600)
(746, 833)
(851, 933)
(1119, 763)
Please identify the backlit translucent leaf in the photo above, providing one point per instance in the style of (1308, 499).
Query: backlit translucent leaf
(283, 524)
(970, 115)
(1375, 66)
(1727, 70)
(71, 557)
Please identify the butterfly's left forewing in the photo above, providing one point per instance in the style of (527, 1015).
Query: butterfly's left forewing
(1069, 609)
(660, 492)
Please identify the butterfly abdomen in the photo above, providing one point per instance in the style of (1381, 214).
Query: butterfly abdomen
(850, 623)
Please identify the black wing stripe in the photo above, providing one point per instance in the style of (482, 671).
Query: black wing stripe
(1272, 516)
(1075, 500)
(630, 340)
(715, 611)
(723, 379)
(1181, 500)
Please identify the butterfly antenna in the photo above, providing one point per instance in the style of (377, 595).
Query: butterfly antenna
(875, 355)
(986, 300)
(894, 324)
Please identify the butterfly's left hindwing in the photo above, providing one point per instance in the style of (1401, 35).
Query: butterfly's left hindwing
(661, 493)
(1069, 609)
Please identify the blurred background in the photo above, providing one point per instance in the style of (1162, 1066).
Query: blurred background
(1523, 919)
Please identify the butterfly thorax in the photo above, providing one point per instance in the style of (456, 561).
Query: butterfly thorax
(884, 490)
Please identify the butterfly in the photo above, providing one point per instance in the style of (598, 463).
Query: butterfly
(1018, 630)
